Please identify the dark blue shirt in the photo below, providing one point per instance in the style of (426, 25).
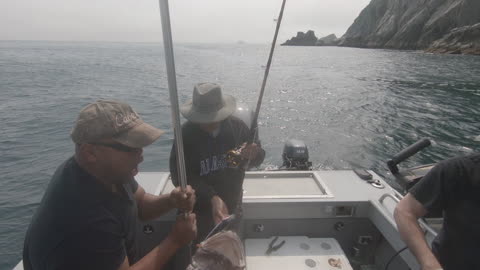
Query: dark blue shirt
(81, 225)
(206, 166)
(207, 169)
(453, 186)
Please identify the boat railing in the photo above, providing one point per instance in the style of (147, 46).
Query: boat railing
(396, 199)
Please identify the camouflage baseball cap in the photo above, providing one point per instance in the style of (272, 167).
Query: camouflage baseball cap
(106, 119)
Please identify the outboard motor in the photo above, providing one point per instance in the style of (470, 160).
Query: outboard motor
(295, 156)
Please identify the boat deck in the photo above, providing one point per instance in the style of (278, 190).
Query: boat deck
(309, 205)
(316, 204)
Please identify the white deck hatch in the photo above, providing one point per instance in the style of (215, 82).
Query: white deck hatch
(298, 252)
(284, 185)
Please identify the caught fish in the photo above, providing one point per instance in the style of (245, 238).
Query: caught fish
(222, 251)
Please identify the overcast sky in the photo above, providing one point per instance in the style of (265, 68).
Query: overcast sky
(192, 20)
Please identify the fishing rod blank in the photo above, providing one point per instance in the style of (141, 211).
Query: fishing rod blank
(267, 70)
(233, 156)
(172, 87)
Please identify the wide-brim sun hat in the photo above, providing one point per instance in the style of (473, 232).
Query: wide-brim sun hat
(208, 104)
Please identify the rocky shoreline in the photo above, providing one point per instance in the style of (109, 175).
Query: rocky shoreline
(437, 26)
(310, 39)
(462, 40)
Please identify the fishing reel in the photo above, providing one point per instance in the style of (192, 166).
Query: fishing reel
(234, 158)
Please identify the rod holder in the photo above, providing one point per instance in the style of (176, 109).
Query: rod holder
(406, 153)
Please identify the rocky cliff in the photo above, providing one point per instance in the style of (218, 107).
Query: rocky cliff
(416, 24)
(310, 39)
(464, 40)
(303, 39)
(330, 40)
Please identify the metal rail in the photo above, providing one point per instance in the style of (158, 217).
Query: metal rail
(422, 223)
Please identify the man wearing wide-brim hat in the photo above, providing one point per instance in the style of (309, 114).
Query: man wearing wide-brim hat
(88, 216)
(209, 134)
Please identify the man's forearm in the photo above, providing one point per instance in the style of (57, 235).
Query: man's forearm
(219, 209)
(414, 237)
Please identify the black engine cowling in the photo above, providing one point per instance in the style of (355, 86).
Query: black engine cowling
(295, 155)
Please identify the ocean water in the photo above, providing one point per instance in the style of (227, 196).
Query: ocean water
(352, 107)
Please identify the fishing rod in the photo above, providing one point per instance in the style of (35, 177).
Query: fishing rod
(233, 156)
(265, 76)
(172, 87)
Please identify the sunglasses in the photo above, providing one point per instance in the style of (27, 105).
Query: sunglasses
(119, 147)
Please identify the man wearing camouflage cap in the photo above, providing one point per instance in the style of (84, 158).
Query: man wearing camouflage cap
(87, 217)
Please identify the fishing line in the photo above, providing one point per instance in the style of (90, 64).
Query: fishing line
(233, 156)
(265, 76)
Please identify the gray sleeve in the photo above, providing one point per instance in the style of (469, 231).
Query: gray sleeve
(432, 191)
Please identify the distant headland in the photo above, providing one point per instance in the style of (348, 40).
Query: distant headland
(438, 26)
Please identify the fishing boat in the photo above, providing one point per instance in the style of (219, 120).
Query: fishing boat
(328, 219)
(299, 218)
(340, 219)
